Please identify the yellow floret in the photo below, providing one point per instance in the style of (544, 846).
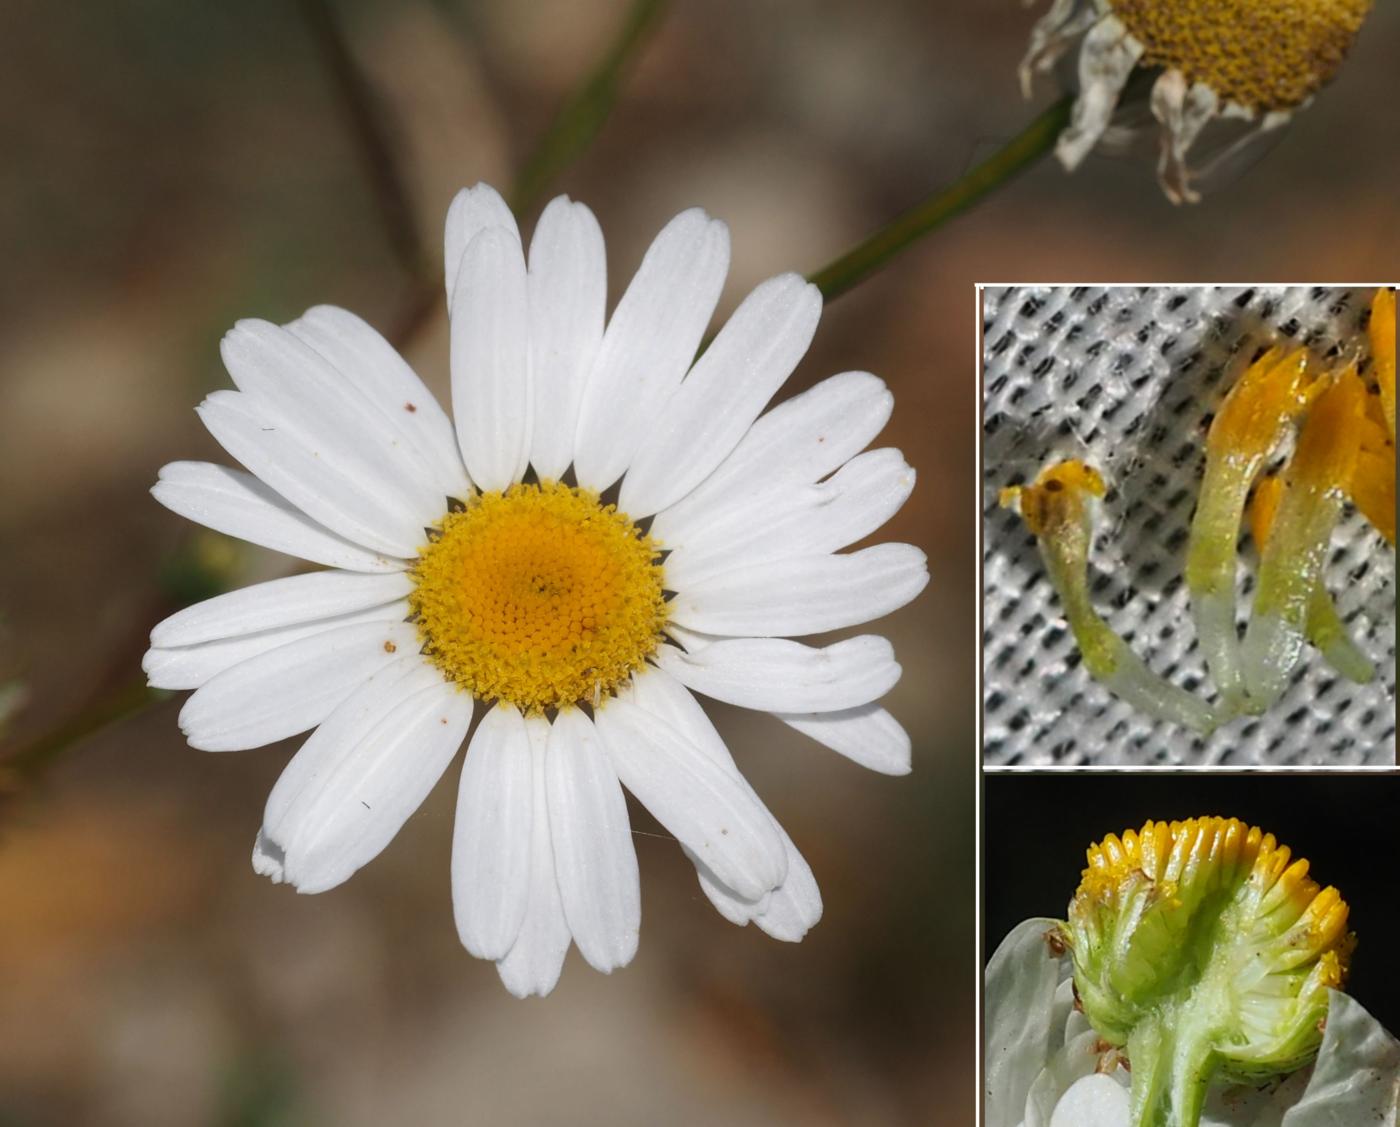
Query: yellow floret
(539, 596)
(1383, 351)
(1260, 54)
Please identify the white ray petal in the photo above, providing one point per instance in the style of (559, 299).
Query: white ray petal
(568, 289)
(292, 386)
(800, 440)
(1184, 108)
(491, 359)
(354, 503)
(537, 957)
(867, 735)
(1107, 58)
(709, 810)
(796, 519)
(189, 667)
(472, 210)
(360, 776)
(594, 859)
(277, 603)
(236, 503)
(491, 841)
(374, 368)
(650, 342)
(291, 688)
(789, 911)
(778, 675)
(804, 595)
(743, 368)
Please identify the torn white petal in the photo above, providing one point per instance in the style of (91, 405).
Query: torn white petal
(1106, 59)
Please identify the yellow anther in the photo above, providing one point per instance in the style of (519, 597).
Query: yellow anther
(539, 596)
(1057, 496)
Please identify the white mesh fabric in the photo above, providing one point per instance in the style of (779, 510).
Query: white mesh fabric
(1128, 378)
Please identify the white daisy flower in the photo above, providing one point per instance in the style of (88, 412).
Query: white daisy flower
(1254, 62)
(461, 568)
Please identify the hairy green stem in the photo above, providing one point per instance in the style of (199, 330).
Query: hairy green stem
(1018, 154)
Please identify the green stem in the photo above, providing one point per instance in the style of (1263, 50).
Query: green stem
(583, 115)
(367, 122)
(899, 234)
(29, 762)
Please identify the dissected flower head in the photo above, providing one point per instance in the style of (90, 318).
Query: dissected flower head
(1253, 60)
(1204, 949)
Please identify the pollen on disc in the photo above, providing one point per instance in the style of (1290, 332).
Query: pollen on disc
(539, 596)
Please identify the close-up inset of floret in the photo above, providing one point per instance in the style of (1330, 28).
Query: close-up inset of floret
(1297, 438)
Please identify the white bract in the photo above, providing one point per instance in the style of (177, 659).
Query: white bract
(1045, 1066)
(462, 569)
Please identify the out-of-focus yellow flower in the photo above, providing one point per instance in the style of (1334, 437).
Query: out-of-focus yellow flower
(1254, 61)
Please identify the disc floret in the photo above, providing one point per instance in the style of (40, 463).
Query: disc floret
(539, 596)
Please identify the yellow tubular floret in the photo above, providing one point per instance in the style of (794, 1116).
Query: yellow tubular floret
(1383, 351)
(1325, 628)
(1373, 490)
(1317, 479)
(1058, 507)
(1249, 425)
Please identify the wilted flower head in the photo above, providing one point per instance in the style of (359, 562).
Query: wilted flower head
(1255, 61)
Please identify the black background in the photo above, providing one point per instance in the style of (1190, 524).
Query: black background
(1036, 828)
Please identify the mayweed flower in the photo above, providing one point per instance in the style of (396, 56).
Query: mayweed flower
(1196, 955)
(1253, 61)
(461, 566)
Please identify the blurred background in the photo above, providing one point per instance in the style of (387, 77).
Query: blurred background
(172, 166)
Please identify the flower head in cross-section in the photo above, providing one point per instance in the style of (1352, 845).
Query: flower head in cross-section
(1253, 63)
(1195, 982)
(476, 565)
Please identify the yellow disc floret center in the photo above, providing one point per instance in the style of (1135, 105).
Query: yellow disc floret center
(1262, 54)
(540, 596)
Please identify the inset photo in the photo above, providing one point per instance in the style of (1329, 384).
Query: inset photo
(1188, 533)
(1189, 951)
